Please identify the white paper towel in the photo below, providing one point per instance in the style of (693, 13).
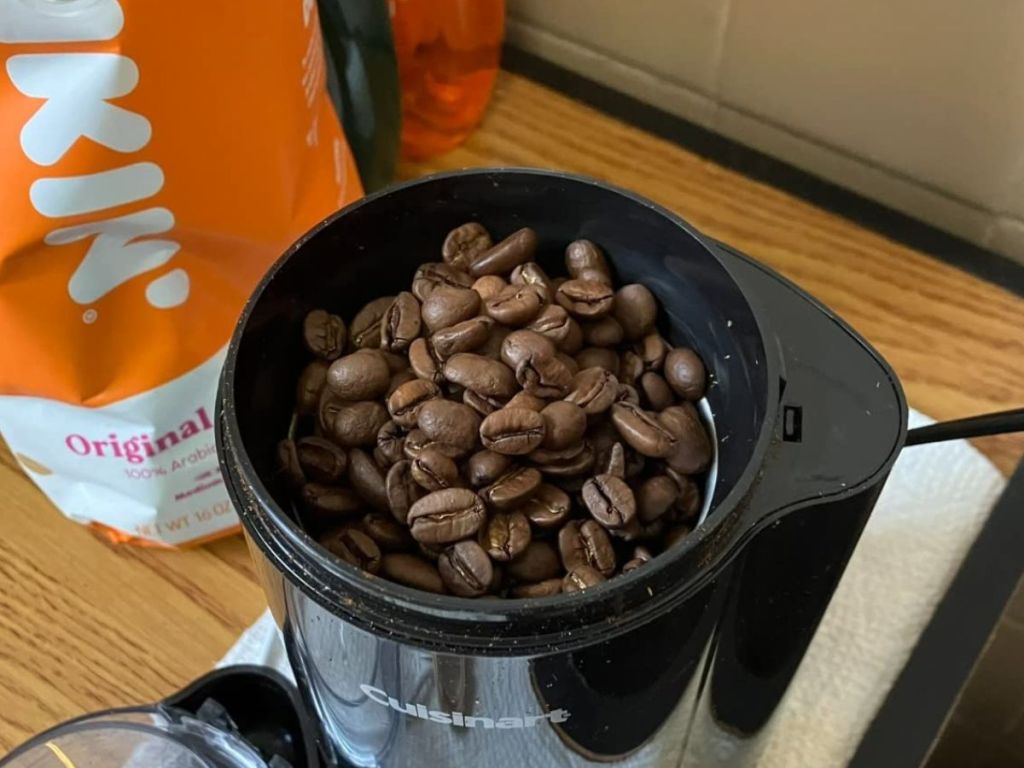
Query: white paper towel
(932, 507)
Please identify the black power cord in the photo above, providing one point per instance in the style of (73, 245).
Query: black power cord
(974, 426)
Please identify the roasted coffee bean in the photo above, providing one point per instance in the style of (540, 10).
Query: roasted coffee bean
(396, 362)
(505, 536)
(544, 376)
(492, 347)
(389, 535)
(434, 471)
(515, 305)
(585, 299)
(430, 277)
(582, 255)
(390, 444)
(611, 461)
(365, 330)
(528, 401)
(627, 394)
(512, 431)
(489, 286)
(484, 467)
(417, 441)
(466, 569)
(288, 464)
(655, 496)
(569, 362)
(594, 390)
(693, 446)
(598, 357)
(325, 334)
(481, 374)
(423, 362)
(354, 547)
(531, 273)
(357, 424)
(405, 403)
(651, 350)
(511, 489)
(465, 243)
(544, 456)
(677, 534)
(412, 571)
(398, 379)
(585, 542)
(573, 341)
(310, 386)
(328, 502)
(363, 375)
(609, 500)
(516, 249)
(548, 508)
(401, 323)
(520, 346)
(643, 431)
(684, 372)
(580, 463)
(367, 480)
(564, 424)
(688, 501)
(554, 324)
(637, 531)
(538, 562)
(447, 306)
(401, 489)
(483, 405)
(581, 577)
(657, 393)
(544, 588)
(447, 516)
(430, 551)
(635, 463)
(461, 337)
(321, 460)
(631, 368)
(641, 556)
(605, 332)
(636, 310)
(454, 424)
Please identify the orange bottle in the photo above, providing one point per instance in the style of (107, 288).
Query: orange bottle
(448, 53)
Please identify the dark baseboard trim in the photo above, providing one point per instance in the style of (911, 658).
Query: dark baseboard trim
(867, 213)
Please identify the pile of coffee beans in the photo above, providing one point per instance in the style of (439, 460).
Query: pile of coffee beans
(495, 430)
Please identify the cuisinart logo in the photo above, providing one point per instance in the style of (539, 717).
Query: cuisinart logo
(460, 719)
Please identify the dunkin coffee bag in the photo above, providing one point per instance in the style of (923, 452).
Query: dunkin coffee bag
(155, 158)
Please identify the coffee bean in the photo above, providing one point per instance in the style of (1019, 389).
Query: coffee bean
(506, 536)
(609, 500)
(500, 258)
(538, 562)
(564, 425)
(398, 379)
(465, 243)
(585, 542)
(401, 489)
(544, 456)
(635, 463)
(554, 324)
(544, 588)
(401, 323)
(631, 368)
(611, 461)
(531, 273)
(310, 386)
(581, 577)
(450, 423)
(357, 424)
(423, 362)
(429, 277)
(389, 535)
(655, 497)
(511, 489)
(434, 471)
(605, 332)
(461, 337)
(466, 569)
(321, 460)
(688, 501)
(657, 393)
(578, 464)
(548, 507)
(288, 464)
(412, 571)
(489, 286)
(396, 362)
(328, 502)
(633, 564)
(684, 372)
(544, 376)
(643, 431)
(447, 516)
(354, 547)
(693, 446)
(447, 306)
(483, 405)
(481, 374)
(581, 255)
(390, 444)
(520, 346)
(512, 431)
(324, 334)
(677, 534)
(573, 341)
(569, 362)
(484, 467)
(367, 480)
(528, 401)
(365, 329)
(405, 403)
(636, 310)
(627, 394)
(363, 375)
(598, 357)
(515, 305)
(651, 350)
(586, 299)
(594, 390)
(417, 441)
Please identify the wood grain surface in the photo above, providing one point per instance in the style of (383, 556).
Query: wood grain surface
(85, 625)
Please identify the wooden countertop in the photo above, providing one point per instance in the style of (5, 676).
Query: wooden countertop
(85, 625)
